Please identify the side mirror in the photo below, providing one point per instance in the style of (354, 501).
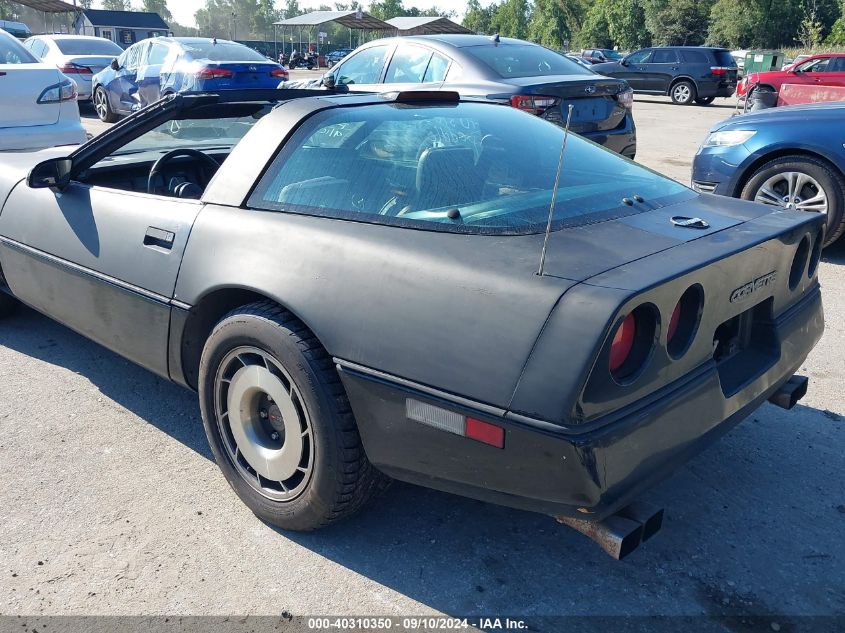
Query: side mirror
(624, 61)
(115, 65)
(53, 173)
(329, 81)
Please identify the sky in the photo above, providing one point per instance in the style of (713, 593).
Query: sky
(183, 10)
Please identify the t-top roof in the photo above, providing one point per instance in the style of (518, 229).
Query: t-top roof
(348, 19)
(49, 6)
(428, 24)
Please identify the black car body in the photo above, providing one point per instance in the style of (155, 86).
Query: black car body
(373, 264)
(505, 70)
(688, 74)
(600, 55)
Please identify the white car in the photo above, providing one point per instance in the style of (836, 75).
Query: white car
(80, 57)
(38, 106)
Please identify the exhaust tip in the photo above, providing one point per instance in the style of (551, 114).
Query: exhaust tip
(790, 392)
(616, 535)
(650, 517)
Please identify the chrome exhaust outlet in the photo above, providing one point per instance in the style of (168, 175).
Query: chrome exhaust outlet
(650, 517)
(790, 392)
(616, 535)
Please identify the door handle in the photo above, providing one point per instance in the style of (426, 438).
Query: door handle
(159, 238)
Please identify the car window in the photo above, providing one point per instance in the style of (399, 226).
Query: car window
(88, 46)
(837, 65)
(640, 57)
(158, 53)
(469, 167)
(362, 68)
(694, 57)
(724, 59)
(525, 60)
(36, 47)
(220, 51)
(12, 52)
(817, 65)
(408, 65)
(131, 57)
(664, 56)
(437, 68)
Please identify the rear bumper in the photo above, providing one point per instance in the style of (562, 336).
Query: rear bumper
(715, 89)
(67, 130)
(546, 468)
(622, 139)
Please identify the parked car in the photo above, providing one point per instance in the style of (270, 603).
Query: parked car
(792, 62)
(17, 30)
(687, 74)
(789, 157)
(600, 55)
(154, 67)
(337, 55)
(77, 56)
(524, 75)
(38, 106)
(579, 60)
(817, 70)
(359, 292)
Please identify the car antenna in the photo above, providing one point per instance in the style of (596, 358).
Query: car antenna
(554, 191)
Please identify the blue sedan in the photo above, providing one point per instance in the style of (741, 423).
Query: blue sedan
(790, 157)
(156, 67)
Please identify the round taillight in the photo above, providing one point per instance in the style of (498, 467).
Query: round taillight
(623, 343)
(683, 325)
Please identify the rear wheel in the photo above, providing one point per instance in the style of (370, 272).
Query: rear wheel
(705, 100)
(801, 183)
(101, 105)
(279, 422)
(683, 93)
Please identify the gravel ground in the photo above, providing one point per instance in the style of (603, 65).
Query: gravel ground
(111, 503)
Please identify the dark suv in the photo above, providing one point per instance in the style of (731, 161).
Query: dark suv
(685, 73)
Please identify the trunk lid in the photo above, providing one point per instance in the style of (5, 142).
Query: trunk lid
(20, 87)
(95, 62)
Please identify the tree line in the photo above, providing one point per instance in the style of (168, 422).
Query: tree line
(625, 24)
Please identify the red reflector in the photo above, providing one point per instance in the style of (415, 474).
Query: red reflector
(673, 322)
(623, 343)
(485, 432)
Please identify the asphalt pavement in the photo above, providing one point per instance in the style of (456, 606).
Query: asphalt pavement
(111, 503)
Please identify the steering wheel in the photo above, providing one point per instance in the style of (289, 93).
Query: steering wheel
(158, 167)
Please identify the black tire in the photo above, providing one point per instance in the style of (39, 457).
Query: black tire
(703, 101)
(826, 176)
(8, 305)
(683, 92)
(102, 106)
(342, 480)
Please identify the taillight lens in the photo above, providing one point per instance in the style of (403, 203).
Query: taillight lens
(214, 73)
(623, 343)
(719, 70)
(75, 69)
(533, 104)
(626, 98)
(673, 323)
(279, 72)
(65, 91)
(683, 324)
(456, 423)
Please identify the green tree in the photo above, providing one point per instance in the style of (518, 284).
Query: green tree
(610, 23)
(117, 5)
(836, 37)
(387, 9)
(479, 19)
(678, 22)
(548, 25)
(511, 19)
(158, 6)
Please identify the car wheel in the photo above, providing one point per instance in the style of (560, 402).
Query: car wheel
(329, 64)
(801, 183)
(101, 105)
(279, 423)
(705, 100)
(683, 93)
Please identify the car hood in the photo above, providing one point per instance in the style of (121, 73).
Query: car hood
(786, 115)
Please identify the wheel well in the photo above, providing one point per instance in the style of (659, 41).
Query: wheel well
(749, 171)
(679, 79)
(201, 321)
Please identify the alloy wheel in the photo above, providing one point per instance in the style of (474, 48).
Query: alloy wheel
(793, 190)
(100, 104)
(265, 427)
(682, 93)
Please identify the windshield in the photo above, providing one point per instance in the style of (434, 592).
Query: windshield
(221, 52)
(470, 167)
(525, 60)
(193, 133)
(611, 54)
(89, 47)
(13, 53)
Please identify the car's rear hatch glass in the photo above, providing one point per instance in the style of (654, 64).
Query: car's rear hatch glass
(524, 60)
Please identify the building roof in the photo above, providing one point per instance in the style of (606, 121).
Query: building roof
(427, 24)
(348, 19)
(128, 19)
(49, 6)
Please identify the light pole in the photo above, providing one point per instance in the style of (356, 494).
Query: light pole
(234, 25)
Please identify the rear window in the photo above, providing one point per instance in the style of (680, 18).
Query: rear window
(469, 168)
(11, 52)
(694, 57)
(222, 52)
(88, 47)
(724, 58)
(525, 61)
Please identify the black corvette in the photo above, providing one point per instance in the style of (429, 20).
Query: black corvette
(352, 283)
